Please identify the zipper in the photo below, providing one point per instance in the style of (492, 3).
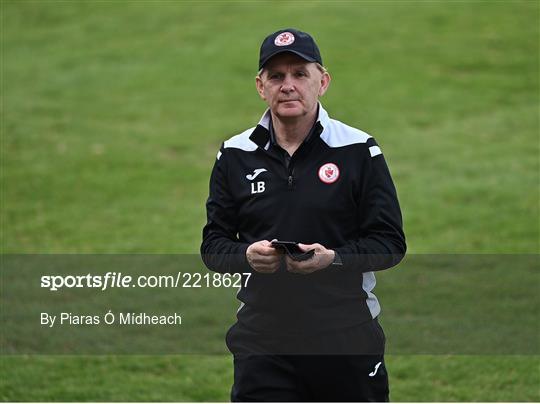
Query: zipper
(290, 179)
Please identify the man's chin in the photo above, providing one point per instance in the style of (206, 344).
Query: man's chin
(289, 112)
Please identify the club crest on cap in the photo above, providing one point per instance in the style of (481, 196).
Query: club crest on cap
(329, 173)
(284, 39)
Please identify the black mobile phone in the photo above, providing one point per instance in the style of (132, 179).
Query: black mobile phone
(292, 249)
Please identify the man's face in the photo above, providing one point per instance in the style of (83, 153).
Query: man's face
(291, 86)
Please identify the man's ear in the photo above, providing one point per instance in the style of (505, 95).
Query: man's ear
(325, 83)
(260, 86)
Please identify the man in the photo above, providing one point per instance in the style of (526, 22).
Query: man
(307, 330)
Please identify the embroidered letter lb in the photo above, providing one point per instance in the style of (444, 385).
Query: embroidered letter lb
(259, 189)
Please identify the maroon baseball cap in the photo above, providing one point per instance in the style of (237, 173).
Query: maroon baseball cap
(289, 40)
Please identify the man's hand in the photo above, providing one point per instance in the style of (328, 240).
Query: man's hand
(262, 257)
(320, 260)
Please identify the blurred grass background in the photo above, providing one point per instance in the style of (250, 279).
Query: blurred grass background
(112, 113)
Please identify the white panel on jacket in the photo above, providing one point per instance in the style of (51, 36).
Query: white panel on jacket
(337, 134)
(241, 141)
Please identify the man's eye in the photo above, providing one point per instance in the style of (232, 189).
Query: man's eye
(301, 74)
(274, 76)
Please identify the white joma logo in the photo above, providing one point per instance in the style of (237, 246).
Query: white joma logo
(251, 177)
(375, 371)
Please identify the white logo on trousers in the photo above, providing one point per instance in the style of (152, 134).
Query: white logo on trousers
(375, 371)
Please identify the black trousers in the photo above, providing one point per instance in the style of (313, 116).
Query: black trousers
(333, 372)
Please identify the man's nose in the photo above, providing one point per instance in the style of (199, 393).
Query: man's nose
(288, 85)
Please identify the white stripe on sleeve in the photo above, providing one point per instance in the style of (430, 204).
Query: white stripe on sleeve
(374, 151)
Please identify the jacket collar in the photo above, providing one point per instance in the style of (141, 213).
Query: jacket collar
(261, 133)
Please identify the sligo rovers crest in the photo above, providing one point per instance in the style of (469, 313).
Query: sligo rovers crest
(329, 173)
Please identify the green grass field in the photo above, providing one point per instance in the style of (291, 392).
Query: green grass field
(112, 113)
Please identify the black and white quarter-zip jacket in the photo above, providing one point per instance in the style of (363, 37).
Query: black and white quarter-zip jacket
(335, 190)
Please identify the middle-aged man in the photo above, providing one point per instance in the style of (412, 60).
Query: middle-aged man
(307, 330)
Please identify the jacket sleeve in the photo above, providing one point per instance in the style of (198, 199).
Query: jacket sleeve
(381, 242)
(221, 250)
